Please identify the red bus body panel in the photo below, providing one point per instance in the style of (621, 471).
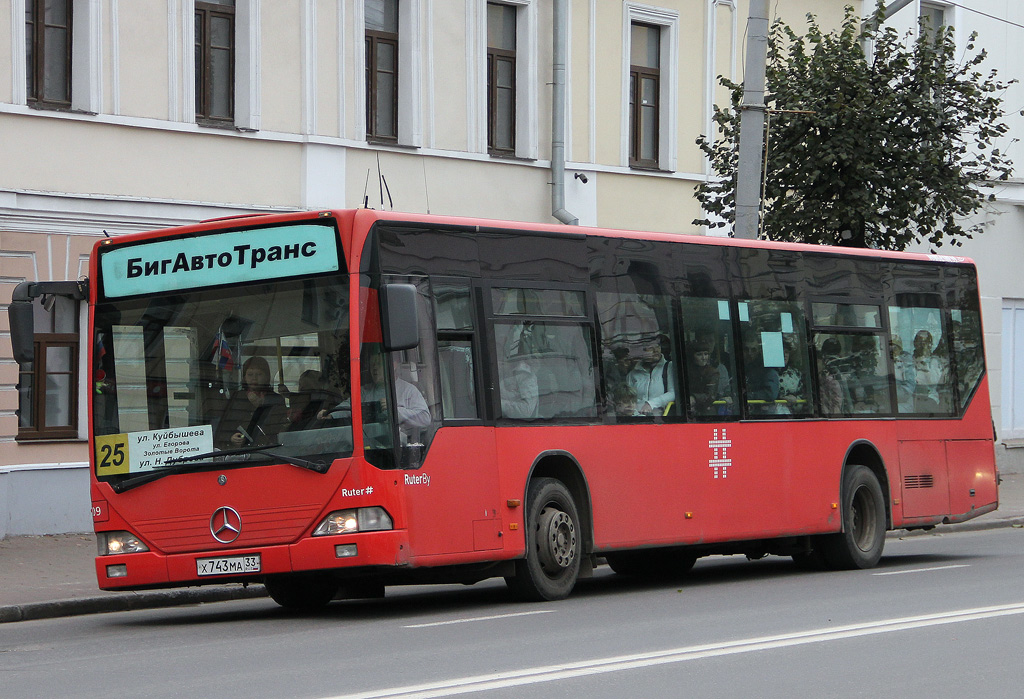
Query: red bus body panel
(648, 485)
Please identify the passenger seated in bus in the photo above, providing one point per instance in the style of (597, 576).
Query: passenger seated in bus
(311, 399)
(867, 384)
(969, 362)
(710, 390)
(762, 381)
(254, 414)
(413, 413)
(624, 401)
(338, 411)
(618, 366)
(792, 384)
(653, 379)
(520, 394)
(904, 374)
(830, 376)
(931, 373)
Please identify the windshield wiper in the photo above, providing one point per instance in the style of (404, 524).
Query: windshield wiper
(262, 450)
(153, 476)
(180, 465)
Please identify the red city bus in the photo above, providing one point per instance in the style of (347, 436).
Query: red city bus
(333, 402)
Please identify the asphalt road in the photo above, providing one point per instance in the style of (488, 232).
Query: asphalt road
(942, 616)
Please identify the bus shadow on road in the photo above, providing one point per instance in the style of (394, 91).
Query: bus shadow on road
(430, 603)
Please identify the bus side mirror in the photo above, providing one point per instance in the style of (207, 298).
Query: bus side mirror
(19, 313)
(398, 311)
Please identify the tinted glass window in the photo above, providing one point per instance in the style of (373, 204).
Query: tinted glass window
(776, 365)
(711, 386)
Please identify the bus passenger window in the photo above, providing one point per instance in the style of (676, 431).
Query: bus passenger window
(710, 365)
(653, 377)
(640, 376)
(920, 332)
(455, 330)
(776, 365)
(869, 384)
(970, 361)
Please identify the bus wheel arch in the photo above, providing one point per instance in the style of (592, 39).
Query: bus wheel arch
(563, 467)
(556, 529)
(865, 512)
(864, 453)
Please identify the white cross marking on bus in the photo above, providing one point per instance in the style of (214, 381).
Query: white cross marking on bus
(720, 461)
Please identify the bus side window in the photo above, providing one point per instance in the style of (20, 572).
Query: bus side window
(455, 330)
(710, 362)
(641, 378)
(776, 362)
(920, 330)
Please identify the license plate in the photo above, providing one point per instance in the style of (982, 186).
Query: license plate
(227, 565)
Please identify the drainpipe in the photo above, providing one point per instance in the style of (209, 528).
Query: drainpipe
(559, 39)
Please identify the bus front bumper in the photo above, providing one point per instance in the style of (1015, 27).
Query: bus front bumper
(151, 569)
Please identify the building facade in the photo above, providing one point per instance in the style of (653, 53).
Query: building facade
(999, 26)
(119, 116)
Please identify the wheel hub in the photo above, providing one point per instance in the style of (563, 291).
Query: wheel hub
(557, 539)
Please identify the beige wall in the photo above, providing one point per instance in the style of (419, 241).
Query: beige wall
(6, 69)
(281, 63)
(143, 64)
(61, 155)
(142, 162)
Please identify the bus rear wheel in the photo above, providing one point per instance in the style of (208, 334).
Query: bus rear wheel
(860, 543)
(301, 591)
(553, 544)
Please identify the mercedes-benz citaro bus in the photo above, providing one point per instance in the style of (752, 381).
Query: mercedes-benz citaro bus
(332, 402)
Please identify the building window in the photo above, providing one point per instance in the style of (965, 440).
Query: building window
(48, 388)
(48, 52)
(382, 70)
(644, 94)
(501, 79)
(933, 17)
(215, 61)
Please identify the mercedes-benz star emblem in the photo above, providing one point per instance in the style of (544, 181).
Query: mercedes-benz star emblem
(225, 525)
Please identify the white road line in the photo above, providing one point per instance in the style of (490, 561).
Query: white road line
(924, 570)
(550, 673)
(476, 618)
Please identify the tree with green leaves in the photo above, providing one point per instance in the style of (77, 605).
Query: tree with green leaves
(877, 149)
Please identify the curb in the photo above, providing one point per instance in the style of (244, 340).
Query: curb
(126, 601)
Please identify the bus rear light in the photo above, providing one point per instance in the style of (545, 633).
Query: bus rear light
(113, 543)
(363, 519)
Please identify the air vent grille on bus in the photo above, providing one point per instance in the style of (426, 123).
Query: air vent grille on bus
(925, 480)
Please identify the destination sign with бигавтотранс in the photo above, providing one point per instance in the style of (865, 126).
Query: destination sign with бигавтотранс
(219, 258)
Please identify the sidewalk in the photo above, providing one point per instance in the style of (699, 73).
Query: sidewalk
(50, 576)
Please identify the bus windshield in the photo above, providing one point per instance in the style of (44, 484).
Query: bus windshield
(231, 370)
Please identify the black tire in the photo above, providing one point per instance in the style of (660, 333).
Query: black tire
(860, 543)
(554, 544)
(663, 564)
(301, 591)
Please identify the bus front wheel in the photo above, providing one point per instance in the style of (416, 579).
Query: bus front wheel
(860, 543)
(301, 591)
(553, 544)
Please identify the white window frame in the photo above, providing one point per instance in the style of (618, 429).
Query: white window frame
(86, 55)
(410, 72)
(527, 80)
(247, 65)
(668, 115)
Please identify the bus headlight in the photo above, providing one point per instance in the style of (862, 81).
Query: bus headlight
(113, 543)
(362, 519)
